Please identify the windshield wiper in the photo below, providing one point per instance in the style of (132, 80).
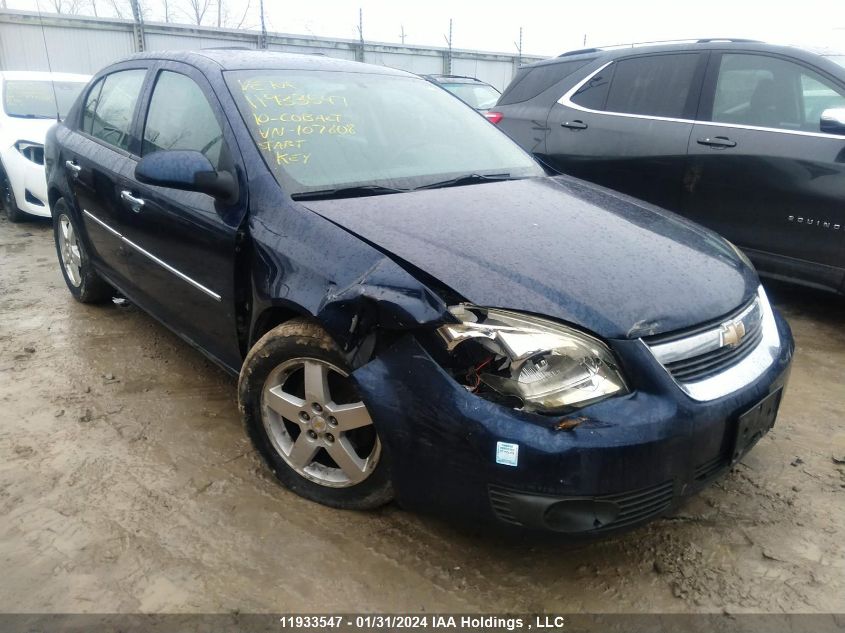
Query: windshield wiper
(346, 192)
(33, 116)
(467, 179)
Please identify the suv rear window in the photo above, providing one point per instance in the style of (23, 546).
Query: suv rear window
(531, 81)
(657, 85)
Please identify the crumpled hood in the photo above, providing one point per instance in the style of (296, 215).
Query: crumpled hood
(558, 247)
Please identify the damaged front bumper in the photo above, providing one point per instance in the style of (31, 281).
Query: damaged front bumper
(610, 466)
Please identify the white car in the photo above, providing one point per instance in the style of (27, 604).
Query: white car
(31, 103)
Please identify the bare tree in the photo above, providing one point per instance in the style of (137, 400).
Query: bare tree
(167, 5)
(240, 24)
(196, 10)
(225, 18)
(71, 7)
(120, 8)
(123, 9)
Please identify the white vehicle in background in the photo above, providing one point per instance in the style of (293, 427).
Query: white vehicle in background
(29, 105)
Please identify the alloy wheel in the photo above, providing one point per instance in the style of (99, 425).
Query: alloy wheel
(318, 424)
(70, 251)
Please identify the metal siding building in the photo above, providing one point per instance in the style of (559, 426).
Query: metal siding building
(85, 44)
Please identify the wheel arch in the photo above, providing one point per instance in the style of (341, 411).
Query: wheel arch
(54, 194)
(271, 316)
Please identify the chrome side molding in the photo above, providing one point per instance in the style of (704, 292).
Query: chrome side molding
(153, 258)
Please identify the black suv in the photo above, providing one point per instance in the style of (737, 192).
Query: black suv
(744, 137)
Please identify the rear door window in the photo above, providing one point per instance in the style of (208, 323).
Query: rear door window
(108, 113)
(657, 85)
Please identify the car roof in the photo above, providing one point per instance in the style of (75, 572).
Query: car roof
(32, 75)
(248, 59)
(613, 52)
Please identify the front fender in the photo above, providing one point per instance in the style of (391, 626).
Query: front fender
(310, 266)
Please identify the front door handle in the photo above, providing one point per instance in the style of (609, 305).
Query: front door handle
(73, 166)
(574, 125)
(719, 142)
(136, 204)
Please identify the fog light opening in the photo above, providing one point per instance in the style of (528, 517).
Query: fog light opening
(580, 515)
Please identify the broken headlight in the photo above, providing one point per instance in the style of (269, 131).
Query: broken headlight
(548, 367)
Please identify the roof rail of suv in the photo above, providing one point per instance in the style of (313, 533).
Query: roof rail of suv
(656, 43)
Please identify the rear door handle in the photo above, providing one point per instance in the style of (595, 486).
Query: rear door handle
(574, 125)
(136, 204)
(717, 141)
(73, 166)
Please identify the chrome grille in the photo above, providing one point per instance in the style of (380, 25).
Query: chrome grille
(707, 351)
(711, 363)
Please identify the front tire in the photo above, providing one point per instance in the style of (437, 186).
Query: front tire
(82, 280)
(305, 417)
(8, 200)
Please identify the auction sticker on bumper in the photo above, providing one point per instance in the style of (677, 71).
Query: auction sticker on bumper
(507, 453)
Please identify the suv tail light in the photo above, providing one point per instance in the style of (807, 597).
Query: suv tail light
(494, 117)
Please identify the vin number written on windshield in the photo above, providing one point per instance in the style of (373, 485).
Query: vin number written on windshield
(286, 117)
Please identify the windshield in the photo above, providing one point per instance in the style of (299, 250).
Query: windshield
(322, 130)
(34, 99)
(479, 96)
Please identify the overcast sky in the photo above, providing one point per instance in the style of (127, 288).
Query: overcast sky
(549, 27)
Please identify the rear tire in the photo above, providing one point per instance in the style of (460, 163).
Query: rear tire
(82, 280)
(8, 200)
(308, 422)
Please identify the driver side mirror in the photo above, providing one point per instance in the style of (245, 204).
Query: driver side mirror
(832, 121)
(187, 170)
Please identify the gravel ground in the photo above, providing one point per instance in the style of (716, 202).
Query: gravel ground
(127, 484)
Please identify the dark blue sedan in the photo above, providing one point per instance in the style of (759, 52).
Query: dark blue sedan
(415, 309)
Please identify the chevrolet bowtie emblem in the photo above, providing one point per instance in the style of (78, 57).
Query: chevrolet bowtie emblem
(731, 333)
